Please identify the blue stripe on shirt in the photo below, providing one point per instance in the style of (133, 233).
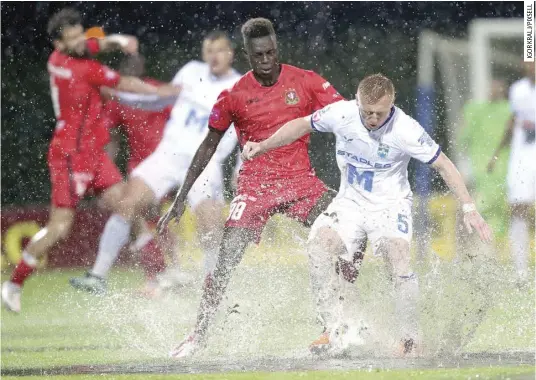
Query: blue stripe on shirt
(435, 156)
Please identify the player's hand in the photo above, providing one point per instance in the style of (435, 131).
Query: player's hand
(473, 220)
(168, 90)
(173, 214)
(251, 150)
(131, 46)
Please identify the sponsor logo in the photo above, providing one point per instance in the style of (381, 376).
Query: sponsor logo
(326, 85)
(426, 139)
(361, 160)
(291, 97)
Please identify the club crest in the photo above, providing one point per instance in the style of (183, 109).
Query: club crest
(291, 97)
(383, 150)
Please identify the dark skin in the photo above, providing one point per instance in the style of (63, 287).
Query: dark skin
(262, 55)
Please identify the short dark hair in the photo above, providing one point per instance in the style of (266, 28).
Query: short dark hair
(133, 65)
(65, 17)
(257, 27)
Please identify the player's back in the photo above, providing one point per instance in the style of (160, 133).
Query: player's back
(74, 87)
(259, 111)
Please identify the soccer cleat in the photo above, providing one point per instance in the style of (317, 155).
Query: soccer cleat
(89, 283)
(321, 345)
(11, 296)
(408, 347)
(150, 290)
(188, 347)
(174, 278)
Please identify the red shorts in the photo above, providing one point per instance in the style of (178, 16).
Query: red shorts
(256, 203)
(75, 175)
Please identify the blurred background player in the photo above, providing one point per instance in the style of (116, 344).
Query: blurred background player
(375, 141)
(486, 119)
(165, 168)
(77, 160)
(143, 130)
(521, 178)
(283, 181)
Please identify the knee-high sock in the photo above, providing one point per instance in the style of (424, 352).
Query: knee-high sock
(115, 235)
(406, 298)
(519, 243)
(325, 285)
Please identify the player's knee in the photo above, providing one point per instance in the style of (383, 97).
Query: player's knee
(328, 240)
(59, 230)
(398, 255)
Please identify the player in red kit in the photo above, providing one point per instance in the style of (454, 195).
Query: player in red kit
(143, 129)
(283, 181)
(76, 157)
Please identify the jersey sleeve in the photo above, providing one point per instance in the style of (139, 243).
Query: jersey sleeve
(112, 115)
(99, 75)
(416, 142)
(323, 93)
(221, 116)
(329, 118)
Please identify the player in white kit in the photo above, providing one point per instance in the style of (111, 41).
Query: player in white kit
(521, 177)
(165, 168)
(374, 143)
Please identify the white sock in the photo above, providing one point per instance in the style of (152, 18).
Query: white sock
(141, 241)
(519, 243)
(406, 295)
(29, 259)
(115, 235)
(210, 260)
(326, 287)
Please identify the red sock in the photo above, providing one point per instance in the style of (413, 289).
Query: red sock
(21, 272)
(152, 260)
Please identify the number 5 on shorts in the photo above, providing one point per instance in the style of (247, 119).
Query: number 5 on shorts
(403, 225)
(236, 210)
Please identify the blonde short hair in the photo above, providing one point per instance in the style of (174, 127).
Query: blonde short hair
(374, 87)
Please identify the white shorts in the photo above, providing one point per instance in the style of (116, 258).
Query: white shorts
(521, 179)
(166, 168)
(355, 224)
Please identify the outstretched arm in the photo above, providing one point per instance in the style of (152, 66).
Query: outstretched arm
(507, 137)
(454, 181)
(287, 134)
(200, 161)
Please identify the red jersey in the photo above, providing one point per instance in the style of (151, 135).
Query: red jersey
(143, 128)
(258, 112)
(75, 88)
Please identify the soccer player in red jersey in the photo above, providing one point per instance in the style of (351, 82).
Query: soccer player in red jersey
(283, 181)
(76, 157)
(144, 129)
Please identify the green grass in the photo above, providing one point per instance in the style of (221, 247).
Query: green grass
(61, 327)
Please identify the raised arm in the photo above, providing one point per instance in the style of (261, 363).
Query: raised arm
(141, 101)
(287, 134)
(454, 181)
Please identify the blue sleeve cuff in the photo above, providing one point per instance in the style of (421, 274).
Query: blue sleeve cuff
(435, 156)
(313, 125)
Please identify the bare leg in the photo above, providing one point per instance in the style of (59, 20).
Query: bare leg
(232, 248)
